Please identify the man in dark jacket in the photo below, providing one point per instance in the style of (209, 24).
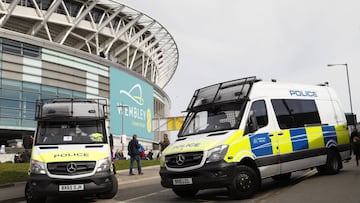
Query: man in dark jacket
(134, 153)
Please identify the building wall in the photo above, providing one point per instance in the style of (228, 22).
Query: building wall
(30, 72)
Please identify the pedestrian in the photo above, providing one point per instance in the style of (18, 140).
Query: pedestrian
(163, 144)
(134, 153)
(355, 138)
(150, 155)
(142, 152)
(112, 153)
(119, 155)
(113, 159)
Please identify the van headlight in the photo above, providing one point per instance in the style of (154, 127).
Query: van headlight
(37, 167)
(104, 165)
(217, 153)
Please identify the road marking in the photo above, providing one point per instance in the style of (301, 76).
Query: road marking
(135, 180)
(144, 196)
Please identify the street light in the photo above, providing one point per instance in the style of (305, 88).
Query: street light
(122, 106)
(348, 81)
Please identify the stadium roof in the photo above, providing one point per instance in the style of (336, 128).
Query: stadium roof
(101, 27)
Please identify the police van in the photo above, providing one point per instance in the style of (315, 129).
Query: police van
(71, 151)
(239, 132)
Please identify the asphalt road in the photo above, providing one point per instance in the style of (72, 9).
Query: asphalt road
(304, 186)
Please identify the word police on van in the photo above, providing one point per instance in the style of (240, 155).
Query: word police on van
(303, 93)
(239, 132)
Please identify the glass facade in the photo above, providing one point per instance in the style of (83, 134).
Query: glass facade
(17, 101)
(17, 98)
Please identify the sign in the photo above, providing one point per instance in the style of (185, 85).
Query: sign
(168, 123)
(131, 105)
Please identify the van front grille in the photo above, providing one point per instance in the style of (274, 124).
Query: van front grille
(71, 168)
(183, 160)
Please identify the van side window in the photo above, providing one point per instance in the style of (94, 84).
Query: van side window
(258, 117)
(295, 113)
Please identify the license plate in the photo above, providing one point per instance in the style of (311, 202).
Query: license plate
(182, 181)
(77, 187)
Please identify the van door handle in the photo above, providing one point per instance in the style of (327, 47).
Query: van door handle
(270, 134)
(280, 133)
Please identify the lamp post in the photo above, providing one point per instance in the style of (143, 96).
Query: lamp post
(348, 81)
(122, 106)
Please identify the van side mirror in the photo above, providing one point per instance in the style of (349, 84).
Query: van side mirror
(351, 119)
(27, 141)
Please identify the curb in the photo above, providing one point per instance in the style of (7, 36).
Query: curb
(7, 185)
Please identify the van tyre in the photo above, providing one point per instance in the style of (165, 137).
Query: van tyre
(111, 193)
(333, 164)
(185, 192)
(245, 184)
(31, 197)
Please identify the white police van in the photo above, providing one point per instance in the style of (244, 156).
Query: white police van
(239, 132)
(71, 151)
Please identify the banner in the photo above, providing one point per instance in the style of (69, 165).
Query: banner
(131, 105)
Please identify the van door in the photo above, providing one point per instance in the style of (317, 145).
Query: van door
(263, 143)
(299, 129)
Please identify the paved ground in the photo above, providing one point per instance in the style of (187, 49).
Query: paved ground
(16, 190)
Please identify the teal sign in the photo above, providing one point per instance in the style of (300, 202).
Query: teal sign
(131, 105)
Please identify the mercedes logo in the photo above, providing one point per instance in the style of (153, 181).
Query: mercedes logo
(180, 159)
(71, 167)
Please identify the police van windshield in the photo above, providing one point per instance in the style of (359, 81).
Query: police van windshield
(217, 107)
(72, 132)
(212, 119)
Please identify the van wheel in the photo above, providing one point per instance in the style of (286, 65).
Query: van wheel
(111, 193)
(245, 183)
(282, 177)
(185, 193)
(332, 163)
(31, 197)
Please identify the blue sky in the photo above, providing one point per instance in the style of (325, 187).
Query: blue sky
(288, 40)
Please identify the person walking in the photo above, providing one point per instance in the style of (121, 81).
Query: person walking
(112, 153)
(355, 139)
(163, 144)
(134, 153)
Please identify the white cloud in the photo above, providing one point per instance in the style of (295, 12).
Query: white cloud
(289, 40)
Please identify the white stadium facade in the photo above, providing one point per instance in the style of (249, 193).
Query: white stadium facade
(84, 49)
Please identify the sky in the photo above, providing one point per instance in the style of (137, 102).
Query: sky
(287, 40)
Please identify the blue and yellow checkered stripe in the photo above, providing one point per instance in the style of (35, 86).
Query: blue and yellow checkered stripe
(297, 139)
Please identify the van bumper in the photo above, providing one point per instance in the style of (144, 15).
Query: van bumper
(42, 185)
(214, 175)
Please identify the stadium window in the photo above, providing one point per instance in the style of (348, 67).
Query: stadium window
(48, 90)
(295, 113)
(15, 47)
(31, 50)
(8, 112)
(9, 121)
(78, 94)
(29, 96)
(10, 94)
(11, 84)
(64, 93)
(28, 106)
(9, 103)
(11, 46)
(31, 87)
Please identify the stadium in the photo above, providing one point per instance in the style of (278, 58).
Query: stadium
(83, 49)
